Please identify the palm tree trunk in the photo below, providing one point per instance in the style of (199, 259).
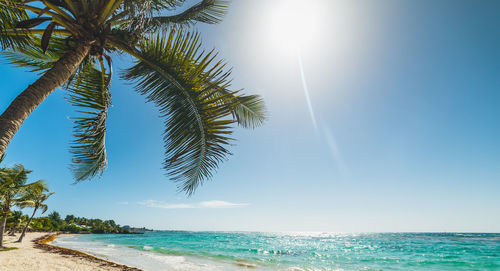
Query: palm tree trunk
(26, 227)
(22, 106)
(2, 226)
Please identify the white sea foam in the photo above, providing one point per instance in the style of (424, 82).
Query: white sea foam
(146, 259)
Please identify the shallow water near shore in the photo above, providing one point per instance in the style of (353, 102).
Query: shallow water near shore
(182, 250)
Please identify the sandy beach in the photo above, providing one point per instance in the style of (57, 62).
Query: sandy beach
(32, 256)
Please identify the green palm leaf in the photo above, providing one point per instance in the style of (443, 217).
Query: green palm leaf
(250, 111)
(10, 15)
(155, 5)
(89, 90)
(32, 56)
(207, 11)
(185, 84)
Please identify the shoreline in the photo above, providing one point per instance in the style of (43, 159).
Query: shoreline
(36, 253)
(44, 244)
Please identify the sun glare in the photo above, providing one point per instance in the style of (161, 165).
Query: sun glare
(295, 25)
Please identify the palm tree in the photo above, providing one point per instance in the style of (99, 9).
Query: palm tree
(12, 191)
(74, 49)
(16, 218)
(35, 199)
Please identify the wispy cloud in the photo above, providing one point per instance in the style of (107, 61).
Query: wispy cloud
(123, 202)
(204, 204)
(161, 204)
(220, 204)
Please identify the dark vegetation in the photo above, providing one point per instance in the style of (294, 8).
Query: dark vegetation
(70, 224)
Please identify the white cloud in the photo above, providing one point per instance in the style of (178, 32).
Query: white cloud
(161, 204)
(123, 202)
(220, 204)
(204, 204)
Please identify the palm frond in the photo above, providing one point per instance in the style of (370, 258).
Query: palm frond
(185, 84)
(33, 58)
(18, 174)
(155, 5)
(44, 208)
(207, 11)
(13, 184)
(134, 15)
(10, 15)
(33, 194)
(249, 111)
(89, 90)
(26, 204)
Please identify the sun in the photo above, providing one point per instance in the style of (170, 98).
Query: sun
(295, 25)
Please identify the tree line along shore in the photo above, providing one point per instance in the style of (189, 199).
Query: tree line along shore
(70, 224)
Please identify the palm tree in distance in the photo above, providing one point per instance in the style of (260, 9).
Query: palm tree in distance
(17, 218)
(13, 189)
(74, 49)
(35, 199)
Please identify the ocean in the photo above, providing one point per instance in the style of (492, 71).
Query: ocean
(185, 250)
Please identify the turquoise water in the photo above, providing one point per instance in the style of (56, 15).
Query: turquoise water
(180, 250)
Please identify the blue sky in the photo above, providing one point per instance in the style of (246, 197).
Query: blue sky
(406, 96)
